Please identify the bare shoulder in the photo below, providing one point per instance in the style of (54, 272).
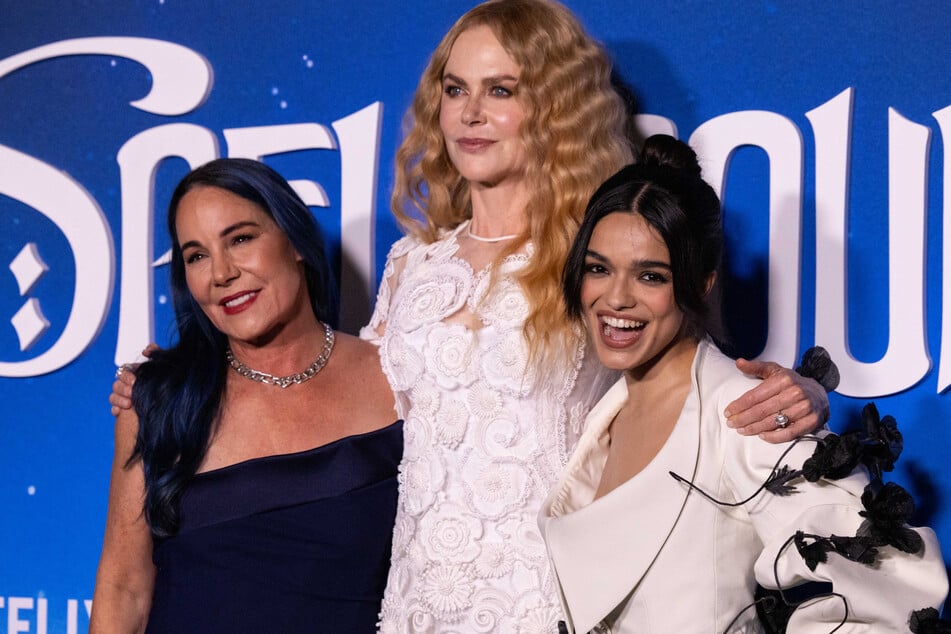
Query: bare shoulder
(359, 378)
(356, 355)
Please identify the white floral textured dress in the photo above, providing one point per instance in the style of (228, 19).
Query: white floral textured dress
(486, 435)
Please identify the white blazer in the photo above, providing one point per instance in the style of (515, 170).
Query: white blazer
(653, 556)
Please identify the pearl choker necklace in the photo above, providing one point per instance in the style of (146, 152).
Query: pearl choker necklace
(481, 239)
(292, 379)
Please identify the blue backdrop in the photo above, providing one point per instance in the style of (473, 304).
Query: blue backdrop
(825, 124)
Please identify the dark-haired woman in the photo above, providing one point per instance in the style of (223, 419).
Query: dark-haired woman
(636, 550)
(254, 482)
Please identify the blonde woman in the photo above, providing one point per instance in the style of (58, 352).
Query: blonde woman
(514, 124)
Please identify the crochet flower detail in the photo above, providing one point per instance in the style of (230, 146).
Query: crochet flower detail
(446, 590)
(496, 486)
(402, 363)
(484, 403)
(505, 365)
(451, 422)
(499, 300)
(495, 560)
(433, 300)
(420, 422)
(576, 418)
(453, 538)
(449, 350)
(504, 437)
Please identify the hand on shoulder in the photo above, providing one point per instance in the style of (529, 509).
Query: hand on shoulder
(783, 407)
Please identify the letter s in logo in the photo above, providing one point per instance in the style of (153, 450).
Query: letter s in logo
(182, 80)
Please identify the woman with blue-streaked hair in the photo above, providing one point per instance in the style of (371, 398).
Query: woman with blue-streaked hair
(254, 481)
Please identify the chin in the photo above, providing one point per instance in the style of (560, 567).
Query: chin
(481, 177)
(483, 174)
(620, 361)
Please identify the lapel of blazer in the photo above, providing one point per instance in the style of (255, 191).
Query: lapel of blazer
(602, 552)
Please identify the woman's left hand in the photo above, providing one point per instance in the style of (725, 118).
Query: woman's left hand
(781, 408)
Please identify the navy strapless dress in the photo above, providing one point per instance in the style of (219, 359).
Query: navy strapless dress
(291, 543)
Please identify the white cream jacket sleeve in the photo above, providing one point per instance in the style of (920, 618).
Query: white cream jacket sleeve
(656, 556)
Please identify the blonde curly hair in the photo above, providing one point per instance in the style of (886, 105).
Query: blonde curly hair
(573, 131)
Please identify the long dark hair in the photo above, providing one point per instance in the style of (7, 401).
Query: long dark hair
(665, 187)
(177, 393)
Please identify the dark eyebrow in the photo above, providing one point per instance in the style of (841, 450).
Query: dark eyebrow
(640, 264)
(224, 232)
(653, 264)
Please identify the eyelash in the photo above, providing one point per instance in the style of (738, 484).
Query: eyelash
(501, 92)
(650, 277)
(238, 239)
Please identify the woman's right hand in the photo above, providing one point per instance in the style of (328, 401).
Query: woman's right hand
(121, 397)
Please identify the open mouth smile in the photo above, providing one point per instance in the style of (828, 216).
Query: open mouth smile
(619, 333)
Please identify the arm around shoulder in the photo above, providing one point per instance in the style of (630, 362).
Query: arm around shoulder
(126, 575)
(800, 399)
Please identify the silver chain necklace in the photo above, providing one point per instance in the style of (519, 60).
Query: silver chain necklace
(291, 379)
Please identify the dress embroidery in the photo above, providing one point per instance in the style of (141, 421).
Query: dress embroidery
(486, 435)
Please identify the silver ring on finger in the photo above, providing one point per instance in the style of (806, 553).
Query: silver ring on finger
(781, 420)
(120, 370)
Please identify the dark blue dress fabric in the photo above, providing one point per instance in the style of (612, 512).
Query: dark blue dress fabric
(290, 543)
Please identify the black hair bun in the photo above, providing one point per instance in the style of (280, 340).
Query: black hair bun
(662, 150)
